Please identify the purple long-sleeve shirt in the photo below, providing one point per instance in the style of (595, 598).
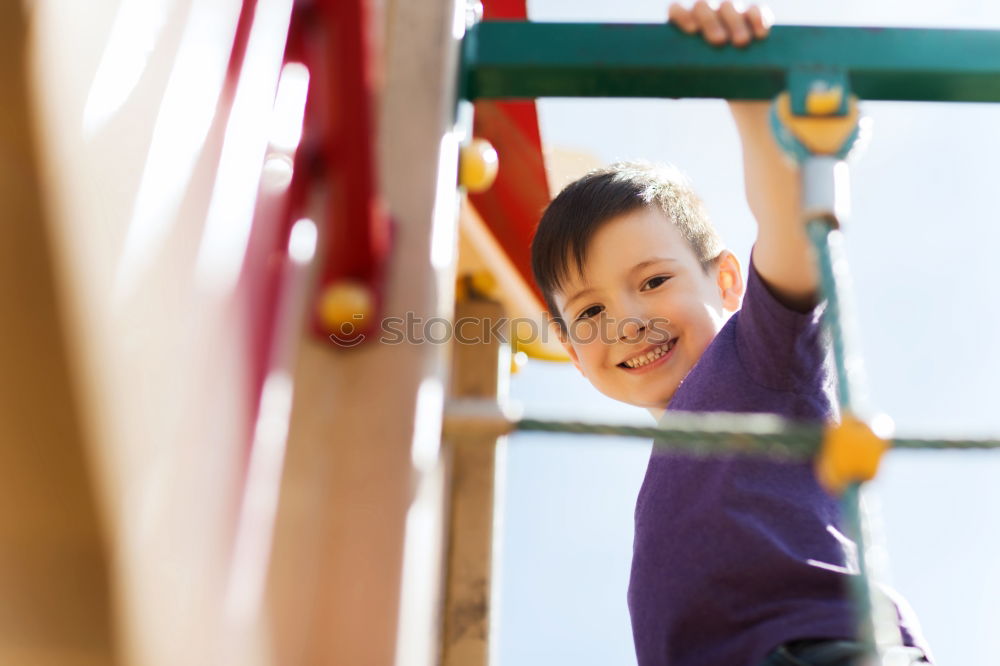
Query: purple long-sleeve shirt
(735, 556)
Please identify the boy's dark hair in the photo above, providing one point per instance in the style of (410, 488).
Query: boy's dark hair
(569, 223)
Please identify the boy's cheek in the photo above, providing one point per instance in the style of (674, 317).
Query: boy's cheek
(563, 338)
(571, 351)
(573, 356)
(588, 332)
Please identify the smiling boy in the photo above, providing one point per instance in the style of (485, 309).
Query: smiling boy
(736, 561)
(654, 294)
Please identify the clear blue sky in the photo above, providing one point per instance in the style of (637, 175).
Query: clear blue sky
(923, 243)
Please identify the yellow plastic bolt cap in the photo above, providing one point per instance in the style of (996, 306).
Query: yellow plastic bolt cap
(851, 452)
(477, 166)
(823, 135)
(823, 100)
(484, 282)
(461, 289)
(344, 303)
(475, 284)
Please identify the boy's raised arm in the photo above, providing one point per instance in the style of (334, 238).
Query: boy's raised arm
(783, 254)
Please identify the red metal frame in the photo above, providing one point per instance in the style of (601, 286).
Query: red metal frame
(511, 207)
(340, 137)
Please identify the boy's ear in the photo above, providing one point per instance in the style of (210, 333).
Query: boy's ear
(730, 280)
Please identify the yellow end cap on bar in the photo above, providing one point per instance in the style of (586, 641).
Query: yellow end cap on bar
(851, 452)
(822, 101)
(821, 134)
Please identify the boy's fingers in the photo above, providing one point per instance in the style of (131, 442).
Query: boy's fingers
(713, 29)
(682, 18)
(735, 23)
(760, 21)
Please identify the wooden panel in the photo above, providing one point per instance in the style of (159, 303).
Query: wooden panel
(153, 128)
(356, 565)
(55, 603)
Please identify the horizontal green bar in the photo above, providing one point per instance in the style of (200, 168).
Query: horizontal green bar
(517, 59)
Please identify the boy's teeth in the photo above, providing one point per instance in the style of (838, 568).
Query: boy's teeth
(649, 356)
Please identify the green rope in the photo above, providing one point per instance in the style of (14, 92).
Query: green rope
(839, 321)
(706, 433)
(722, 434)
(942, 444)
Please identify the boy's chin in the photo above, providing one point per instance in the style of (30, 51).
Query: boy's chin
(653, 397)
(655, 401)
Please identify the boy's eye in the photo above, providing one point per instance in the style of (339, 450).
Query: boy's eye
(592, 311)
(654, 282)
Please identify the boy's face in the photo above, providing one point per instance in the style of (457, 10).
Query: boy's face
(643, 311)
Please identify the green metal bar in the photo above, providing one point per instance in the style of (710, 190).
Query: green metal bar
(516, 59)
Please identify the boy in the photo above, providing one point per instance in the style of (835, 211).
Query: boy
(737, 561)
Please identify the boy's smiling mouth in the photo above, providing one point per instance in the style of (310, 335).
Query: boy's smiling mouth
(650, 356)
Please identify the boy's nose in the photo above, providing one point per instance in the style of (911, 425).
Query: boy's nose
(631, 330)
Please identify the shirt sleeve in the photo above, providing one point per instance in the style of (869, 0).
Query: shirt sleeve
(779, 348)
